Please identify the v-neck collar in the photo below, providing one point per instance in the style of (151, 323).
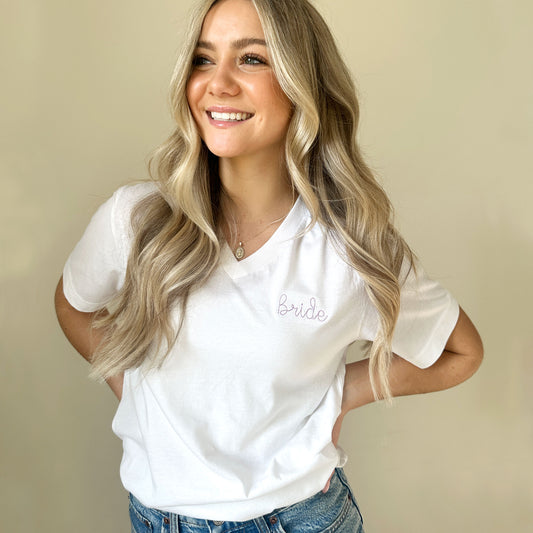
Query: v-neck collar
(286, 231)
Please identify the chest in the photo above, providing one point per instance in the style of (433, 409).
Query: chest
(296, 314)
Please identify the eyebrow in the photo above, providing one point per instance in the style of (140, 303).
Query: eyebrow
(239, 44)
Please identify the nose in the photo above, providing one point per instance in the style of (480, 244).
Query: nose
(223, 81)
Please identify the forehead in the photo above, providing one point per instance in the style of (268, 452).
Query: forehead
(228, 20)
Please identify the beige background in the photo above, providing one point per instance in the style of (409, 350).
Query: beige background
(447, 122)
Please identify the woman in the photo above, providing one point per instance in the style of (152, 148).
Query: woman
(218, 301)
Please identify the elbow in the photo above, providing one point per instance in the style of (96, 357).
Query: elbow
(471, 359)
(61, 304)
(477, 356)
(475, 351)
(466, 345)
(59, 298)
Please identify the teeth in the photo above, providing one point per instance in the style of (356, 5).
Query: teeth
(229, 116)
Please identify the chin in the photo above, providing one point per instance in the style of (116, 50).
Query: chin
(225, 151)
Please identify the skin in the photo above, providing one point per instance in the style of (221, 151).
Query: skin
(240, 77)
(77, 327)
(460, 359)
(232, 71)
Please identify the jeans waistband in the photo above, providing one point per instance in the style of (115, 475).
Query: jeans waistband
(320, 508)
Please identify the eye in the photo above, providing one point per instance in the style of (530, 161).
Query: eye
(199, 61)
(252, 59)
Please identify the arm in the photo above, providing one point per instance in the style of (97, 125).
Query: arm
(77, 327)
(461, 357)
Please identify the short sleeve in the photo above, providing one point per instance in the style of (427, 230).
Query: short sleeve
(95, 270)
(428, 315)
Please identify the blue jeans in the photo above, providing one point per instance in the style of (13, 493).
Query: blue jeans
(336, 511)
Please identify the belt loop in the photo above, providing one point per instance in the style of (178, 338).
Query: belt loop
(174, 523)
(261, 524)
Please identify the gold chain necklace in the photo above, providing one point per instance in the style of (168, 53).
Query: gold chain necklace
(239, 252)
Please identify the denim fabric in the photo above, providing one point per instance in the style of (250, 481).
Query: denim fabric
(336, 511)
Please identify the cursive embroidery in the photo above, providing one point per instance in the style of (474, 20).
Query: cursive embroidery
(301, 310)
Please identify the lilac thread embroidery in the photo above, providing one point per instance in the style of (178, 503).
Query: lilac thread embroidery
(301, 311)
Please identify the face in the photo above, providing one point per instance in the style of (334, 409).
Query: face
(233, 94)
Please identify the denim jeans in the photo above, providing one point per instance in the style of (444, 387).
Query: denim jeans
(335, 511)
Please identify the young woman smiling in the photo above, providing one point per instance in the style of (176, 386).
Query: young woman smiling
(219, 299)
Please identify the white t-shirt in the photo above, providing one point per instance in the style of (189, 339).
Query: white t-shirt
(238, 420)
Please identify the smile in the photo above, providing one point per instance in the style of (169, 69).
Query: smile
(229, 117)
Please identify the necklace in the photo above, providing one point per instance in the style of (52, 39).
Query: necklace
(239, 252)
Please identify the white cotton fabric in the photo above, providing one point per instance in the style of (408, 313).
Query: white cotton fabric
(238, 420)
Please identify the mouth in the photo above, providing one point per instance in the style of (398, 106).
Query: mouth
(229, 117)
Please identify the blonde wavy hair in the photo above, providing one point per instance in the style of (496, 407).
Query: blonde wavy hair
(176, 241)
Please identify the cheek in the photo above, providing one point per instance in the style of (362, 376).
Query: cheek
(194, 93)
(193, 98)
(283, 110)
(281, 103)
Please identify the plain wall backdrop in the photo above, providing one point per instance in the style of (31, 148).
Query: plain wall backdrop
(447, 123)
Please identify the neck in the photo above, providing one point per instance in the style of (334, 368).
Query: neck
(258, 192)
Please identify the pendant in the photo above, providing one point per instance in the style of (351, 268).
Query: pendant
(239, 252)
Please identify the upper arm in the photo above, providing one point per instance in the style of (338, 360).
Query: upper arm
(94, 270)
(76, 325)
(465, 340)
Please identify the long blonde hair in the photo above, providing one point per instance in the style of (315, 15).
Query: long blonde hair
(176, 244)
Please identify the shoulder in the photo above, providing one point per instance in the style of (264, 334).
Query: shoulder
(122, 204)
(126, 197)
(323, 250)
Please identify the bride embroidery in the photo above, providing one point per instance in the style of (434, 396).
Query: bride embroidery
(306, 311)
